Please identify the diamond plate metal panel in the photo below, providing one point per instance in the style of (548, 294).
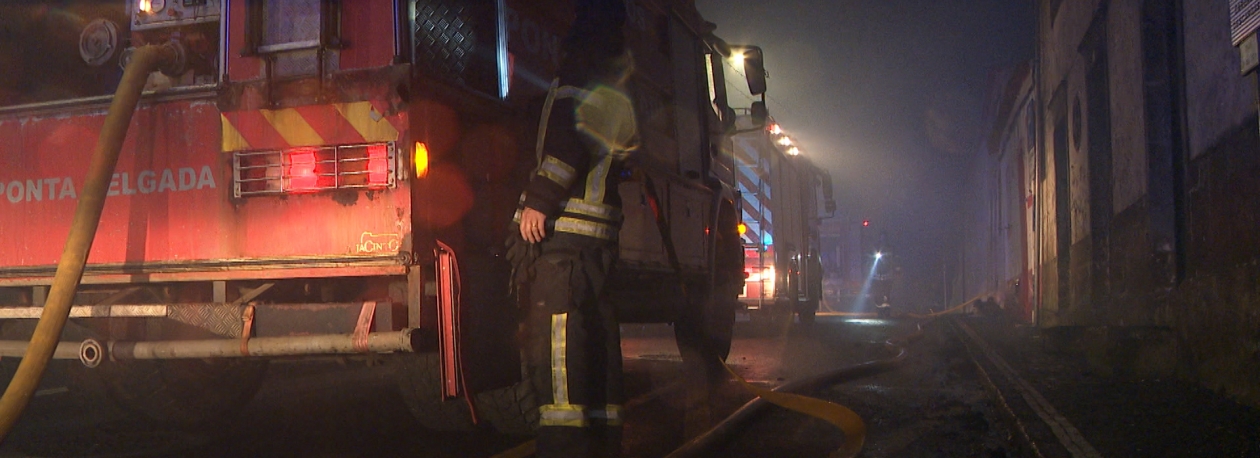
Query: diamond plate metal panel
(444, 38)
(221, 319)
(456, 41)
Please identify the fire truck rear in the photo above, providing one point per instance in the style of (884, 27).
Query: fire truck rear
(337, 178)
(784, 198)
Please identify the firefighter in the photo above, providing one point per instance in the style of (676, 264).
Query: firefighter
(565, 242)
(884, 309)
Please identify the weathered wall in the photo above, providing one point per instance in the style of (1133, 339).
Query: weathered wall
(993, 232)
(1216, 310)
(1121, 285)
(1059, 63)
(1072, 39)
(1119, 270)
(1128, 121)
(1218, 99)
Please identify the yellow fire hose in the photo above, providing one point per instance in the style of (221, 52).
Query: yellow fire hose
(842, 417)
(960, 308)
(87, 216)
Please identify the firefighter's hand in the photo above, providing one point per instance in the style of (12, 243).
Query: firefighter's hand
(533, 229)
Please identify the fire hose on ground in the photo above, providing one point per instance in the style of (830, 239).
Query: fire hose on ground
(783, 395)
(842, 417)
(87, 217)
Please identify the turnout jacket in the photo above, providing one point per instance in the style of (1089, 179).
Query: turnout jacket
(583, 138)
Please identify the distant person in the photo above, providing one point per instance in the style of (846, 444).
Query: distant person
(813, 286)
(987, 307)
(884, 309)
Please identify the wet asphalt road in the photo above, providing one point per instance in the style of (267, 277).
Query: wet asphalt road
(930, 406)
(339, 408)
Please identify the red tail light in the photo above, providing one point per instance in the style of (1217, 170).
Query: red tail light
(314, 168)
(301, 173)
(378, 165)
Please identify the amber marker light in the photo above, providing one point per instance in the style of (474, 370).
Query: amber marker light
(421, 159)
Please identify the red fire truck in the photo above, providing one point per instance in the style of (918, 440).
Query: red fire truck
(783, 197)
(321, 177)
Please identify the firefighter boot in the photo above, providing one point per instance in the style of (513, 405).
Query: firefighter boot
(607, 438)
(564, 442)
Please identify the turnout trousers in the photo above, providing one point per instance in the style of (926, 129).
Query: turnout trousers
(574, 348)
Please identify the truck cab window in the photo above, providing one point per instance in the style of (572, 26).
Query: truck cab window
(295, 35)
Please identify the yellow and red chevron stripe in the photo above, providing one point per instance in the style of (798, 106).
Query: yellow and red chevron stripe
(312, 125)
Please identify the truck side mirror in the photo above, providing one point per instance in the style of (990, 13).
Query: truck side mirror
(759, 113)
(754, 70)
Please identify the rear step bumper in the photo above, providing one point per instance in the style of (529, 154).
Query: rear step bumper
(91, 352)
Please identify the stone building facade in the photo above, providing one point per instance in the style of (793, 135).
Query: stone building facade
(1141, 192)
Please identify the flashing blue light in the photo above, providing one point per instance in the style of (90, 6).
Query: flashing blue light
(767, 240)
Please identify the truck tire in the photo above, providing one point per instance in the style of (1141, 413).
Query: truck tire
(709, 321)
(420, 384)
(705, 329)
(809, 315)
(512, 410)
(12, 330)
(704, 332)
(807, 310)
(171, 394)
(182, 394)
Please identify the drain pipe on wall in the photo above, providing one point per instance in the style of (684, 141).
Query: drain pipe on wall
(87, 216)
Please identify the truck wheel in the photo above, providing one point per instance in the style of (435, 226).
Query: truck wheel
(704, 331)
(808, 311)
(512, 410)
(808, 316)
(419, 382)
(172, 394)
(182, 393)
(12, 330)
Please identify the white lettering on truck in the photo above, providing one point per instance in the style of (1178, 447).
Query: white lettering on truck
(122, 183)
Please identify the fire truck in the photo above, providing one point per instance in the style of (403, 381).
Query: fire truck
(308, 178)
(783, 199)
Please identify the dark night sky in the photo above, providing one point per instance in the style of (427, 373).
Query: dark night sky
(853, 82)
